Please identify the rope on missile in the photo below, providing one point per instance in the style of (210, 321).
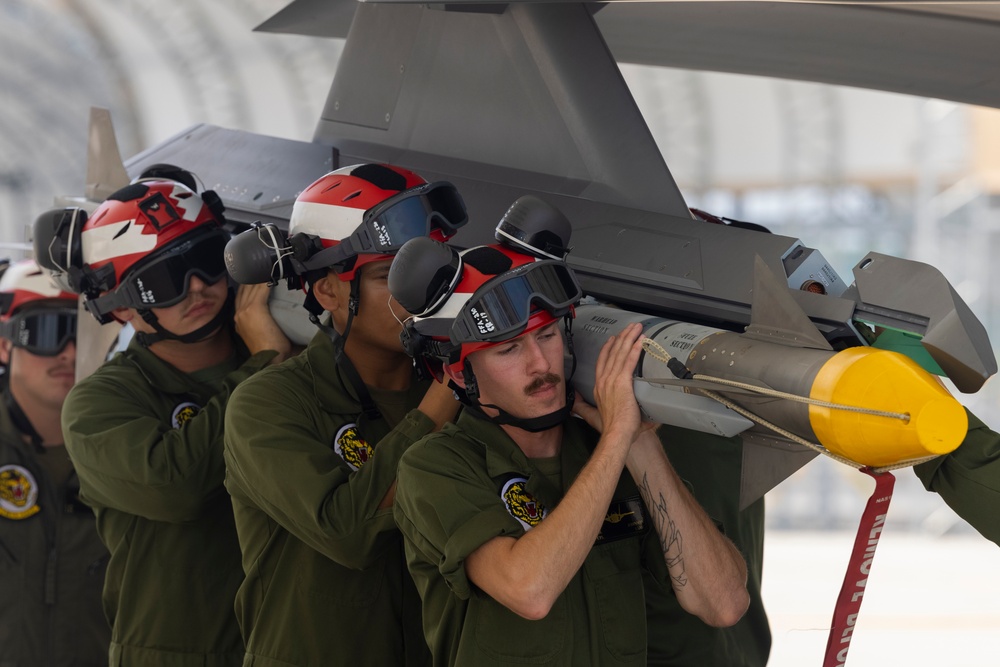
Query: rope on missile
(657, 351)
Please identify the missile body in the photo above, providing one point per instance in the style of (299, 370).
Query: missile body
(927, 420)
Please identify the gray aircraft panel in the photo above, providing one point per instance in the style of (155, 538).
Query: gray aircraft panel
(917, 53)
(258, 177)
(944, 50)
(533, 87)
(312, 18)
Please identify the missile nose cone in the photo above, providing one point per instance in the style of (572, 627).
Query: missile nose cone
(884, 381)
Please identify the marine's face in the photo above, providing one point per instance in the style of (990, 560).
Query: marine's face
(202, 303)
(379, 316)
(38, 380)
(524, 376)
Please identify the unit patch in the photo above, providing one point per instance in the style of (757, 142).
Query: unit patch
(625, 518)
(183, 413)
(520, 504)
(352, 447)
(18, 493)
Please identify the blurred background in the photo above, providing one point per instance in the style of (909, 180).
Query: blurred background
(845, 170)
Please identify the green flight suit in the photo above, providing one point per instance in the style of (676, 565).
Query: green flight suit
(326, 580)
(711, 466)
(968, 479)
(146, 440)
(462, 487)
(51, 560)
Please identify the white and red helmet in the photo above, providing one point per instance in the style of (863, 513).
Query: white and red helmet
(24, 283)
(139, 248)
(365, 213)
(481, 297)
(139, 220)
(35, 313)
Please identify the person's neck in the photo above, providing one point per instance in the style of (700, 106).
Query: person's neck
(43, 418)
(378, 368)
(543, 444)
(192, 357)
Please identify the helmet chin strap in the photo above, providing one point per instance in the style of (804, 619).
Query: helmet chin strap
(224, 315)
(368, 406)
(470, 397)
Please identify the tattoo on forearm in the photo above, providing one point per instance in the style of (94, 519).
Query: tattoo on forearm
(670, 537)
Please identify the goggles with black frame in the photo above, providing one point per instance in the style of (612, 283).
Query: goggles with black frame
(41, 330)
(163, 279)
(501, 308)
(386, 227)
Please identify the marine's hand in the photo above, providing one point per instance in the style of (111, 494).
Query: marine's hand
(256, 326)
(439, 403)
(614, 397)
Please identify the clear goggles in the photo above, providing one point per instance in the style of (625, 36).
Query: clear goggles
(42, 331)
(418, 211)
(501, 308)
(163, 280)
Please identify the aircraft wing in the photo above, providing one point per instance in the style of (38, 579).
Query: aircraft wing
(945, 50)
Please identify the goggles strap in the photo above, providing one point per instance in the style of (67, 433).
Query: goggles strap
(224, 315)
(20, 420)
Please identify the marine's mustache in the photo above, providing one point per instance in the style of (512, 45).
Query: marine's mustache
(541, 381)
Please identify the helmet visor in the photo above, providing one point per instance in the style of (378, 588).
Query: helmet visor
(44, 332)
(163, 281)
(500, 309)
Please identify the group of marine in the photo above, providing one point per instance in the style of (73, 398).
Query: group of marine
(418, 485)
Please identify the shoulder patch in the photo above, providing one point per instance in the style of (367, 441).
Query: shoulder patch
(522, 505)
(18, 493)
(352, 447)
(183, 413)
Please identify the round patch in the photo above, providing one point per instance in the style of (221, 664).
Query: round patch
(183, 413)
(522, 505)
(352, 447)
(18, 493)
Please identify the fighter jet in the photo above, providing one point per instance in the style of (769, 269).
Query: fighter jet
(526, 97)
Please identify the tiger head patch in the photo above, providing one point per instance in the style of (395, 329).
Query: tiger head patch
(522, 505)
(18, 493)
(352, 447)
(183, 413)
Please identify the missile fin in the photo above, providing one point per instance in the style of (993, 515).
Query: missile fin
(775, 317)
(105, 169)
(767, 462)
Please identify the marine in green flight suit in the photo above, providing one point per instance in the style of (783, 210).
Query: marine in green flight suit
(470, 483)
(145, 430)
(968, 479)
(52, 561)
(312, 446)
(307, 471)
(147, 443)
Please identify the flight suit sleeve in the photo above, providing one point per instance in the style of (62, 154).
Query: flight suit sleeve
(129, 456)
(968, 479)
(446, 511)
(275, 459)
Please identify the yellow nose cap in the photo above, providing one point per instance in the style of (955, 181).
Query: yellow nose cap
(888, 382)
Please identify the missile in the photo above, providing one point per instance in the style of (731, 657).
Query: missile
(870, 406)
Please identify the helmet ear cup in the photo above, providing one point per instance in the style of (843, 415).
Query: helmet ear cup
(257, 255)
(56, 242)
(422, 273)
(534, 226)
